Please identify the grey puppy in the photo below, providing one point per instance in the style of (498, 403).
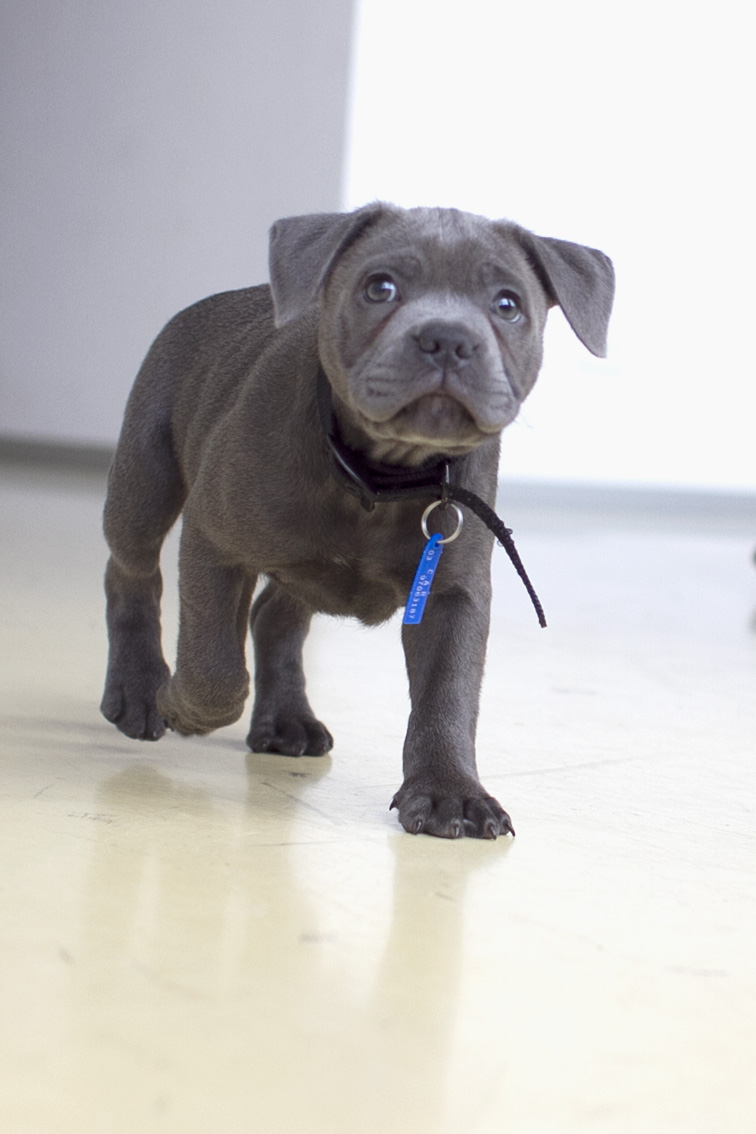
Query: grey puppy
(428, 325)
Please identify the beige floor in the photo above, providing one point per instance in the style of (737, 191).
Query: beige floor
(197, 940)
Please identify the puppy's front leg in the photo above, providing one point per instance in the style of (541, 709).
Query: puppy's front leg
(210, 684)
(445, 653)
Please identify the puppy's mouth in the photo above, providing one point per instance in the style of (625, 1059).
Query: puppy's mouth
(435, 416)
(435, 420)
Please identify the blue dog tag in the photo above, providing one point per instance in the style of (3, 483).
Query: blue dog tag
(426, 569)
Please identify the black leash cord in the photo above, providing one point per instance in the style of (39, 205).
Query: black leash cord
(503, 535)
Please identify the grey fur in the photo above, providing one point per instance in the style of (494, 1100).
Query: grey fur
(222, 423)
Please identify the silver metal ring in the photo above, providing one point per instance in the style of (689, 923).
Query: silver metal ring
(437, 504)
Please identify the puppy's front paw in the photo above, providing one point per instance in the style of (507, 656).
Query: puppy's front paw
(289, 734)
(129, 701)
(450, 811)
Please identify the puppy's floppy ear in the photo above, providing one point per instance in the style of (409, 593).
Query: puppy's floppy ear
(302, 251)
(580, 280)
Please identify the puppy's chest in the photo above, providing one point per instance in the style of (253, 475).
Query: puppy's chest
(369, 585)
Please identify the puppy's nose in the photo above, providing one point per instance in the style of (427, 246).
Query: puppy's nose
(447, 342)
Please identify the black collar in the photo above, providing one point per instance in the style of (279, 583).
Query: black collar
(375, 483)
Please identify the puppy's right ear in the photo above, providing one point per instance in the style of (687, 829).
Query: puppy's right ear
(302, 252)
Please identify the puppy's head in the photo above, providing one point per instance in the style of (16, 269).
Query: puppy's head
(431, 320)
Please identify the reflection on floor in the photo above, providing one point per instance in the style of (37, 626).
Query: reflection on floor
(194, 938)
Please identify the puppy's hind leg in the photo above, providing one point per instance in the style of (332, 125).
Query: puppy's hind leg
(145, 496)
(282, 720)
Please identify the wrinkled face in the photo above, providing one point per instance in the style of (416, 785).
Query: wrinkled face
(432, 332)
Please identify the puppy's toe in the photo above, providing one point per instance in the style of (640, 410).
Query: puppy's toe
(446, 819)
(486, 819)
(414, 810)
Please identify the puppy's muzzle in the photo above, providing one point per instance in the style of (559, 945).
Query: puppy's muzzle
(458, 390)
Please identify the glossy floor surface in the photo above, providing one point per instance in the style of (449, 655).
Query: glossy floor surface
(196, 939)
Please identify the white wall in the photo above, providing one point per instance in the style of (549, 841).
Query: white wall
(627, 126)
(145, 148)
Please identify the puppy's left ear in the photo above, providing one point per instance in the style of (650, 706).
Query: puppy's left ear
(302, 251)
(580, 280)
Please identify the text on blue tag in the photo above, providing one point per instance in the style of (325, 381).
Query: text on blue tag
(421, 586)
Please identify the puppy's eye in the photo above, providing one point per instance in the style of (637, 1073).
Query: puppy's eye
(381, 289)
(506, 304)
